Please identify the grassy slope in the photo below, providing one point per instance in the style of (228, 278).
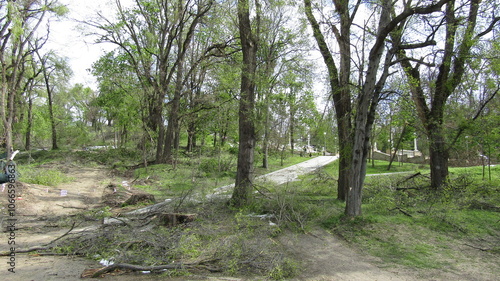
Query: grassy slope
(406, 224)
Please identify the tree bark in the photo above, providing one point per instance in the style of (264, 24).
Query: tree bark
(439, 154)
(244, 174)
(51, 112)
(30, 122)
(340, 91)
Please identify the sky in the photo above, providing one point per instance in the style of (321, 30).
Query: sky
(68, 40)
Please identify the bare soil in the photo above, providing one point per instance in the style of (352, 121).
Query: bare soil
(323, 256)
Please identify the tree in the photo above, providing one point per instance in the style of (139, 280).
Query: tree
(116, 99)
(249, 46)
(155, 35)
(459, 30)
(356, 138)
(19, 21)
(52, 68)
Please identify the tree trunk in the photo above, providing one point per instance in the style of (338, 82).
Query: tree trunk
(345, 152)
(244, 173)
(46, 77)
(191, 136)
(365, 113)
(439, 155)
(292, 128)
(171, 136)
(265, 143)
(397, 147)
(340, 88)
(52, 119)
(30, 122)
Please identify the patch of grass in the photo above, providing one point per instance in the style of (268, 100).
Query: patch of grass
(119, 157)
(380, 167)
(407, 223)
(47, 177)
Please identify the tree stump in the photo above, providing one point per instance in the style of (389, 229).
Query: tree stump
(115, 196)
(173, 219)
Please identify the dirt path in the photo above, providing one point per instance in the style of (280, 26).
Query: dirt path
(325, 257)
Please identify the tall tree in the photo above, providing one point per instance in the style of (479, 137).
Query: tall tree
(370, 88)
(459, 31)
(19, 21)
(249, 46)
(51, 66)
(155, 35)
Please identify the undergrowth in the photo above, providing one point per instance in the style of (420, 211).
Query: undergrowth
(220, 240)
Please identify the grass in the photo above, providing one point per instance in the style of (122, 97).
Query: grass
(380, 167)
(426, 229)
(405, 223)
(198, 174)
(414, 227)
(46, 176)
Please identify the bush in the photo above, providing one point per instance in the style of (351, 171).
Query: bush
(221, 166)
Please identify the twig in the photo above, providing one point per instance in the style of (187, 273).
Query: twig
(402, 211)
(39, 248)
(71, 207)
(409, 178)
(484, 250)
(72, 226)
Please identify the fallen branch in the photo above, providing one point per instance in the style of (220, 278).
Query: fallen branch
(38, 248)
(67, 232)
(407, 188)
(408, 178)
(477, 248)
(402, 211)
(133, 267)
(72, 207)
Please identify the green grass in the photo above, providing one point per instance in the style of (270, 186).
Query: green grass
(380, 167)
(198, 174)
(417, 228)
(47, 177)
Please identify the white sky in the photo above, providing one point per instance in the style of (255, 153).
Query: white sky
(67, 39)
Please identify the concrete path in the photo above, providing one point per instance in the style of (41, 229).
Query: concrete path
(285, 175)
(278, 177)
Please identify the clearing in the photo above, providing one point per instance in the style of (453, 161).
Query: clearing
(322, 255)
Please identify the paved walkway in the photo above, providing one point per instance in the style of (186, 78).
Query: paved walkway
(278, 177)
(285, 175)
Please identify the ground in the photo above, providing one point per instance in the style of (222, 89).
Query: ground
(323, 255)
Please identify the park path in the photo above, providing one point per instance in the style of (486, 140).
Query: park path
(278, 177)
(285, 175)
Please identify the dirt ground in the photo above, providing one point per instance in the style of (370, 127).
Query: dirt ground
(323, 256)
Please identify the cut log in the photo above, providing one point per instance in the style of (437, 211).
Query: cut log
(140, 197)
(115, 196)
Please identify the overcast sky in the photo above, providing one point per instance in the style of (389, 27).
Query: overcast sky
(67, 39)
